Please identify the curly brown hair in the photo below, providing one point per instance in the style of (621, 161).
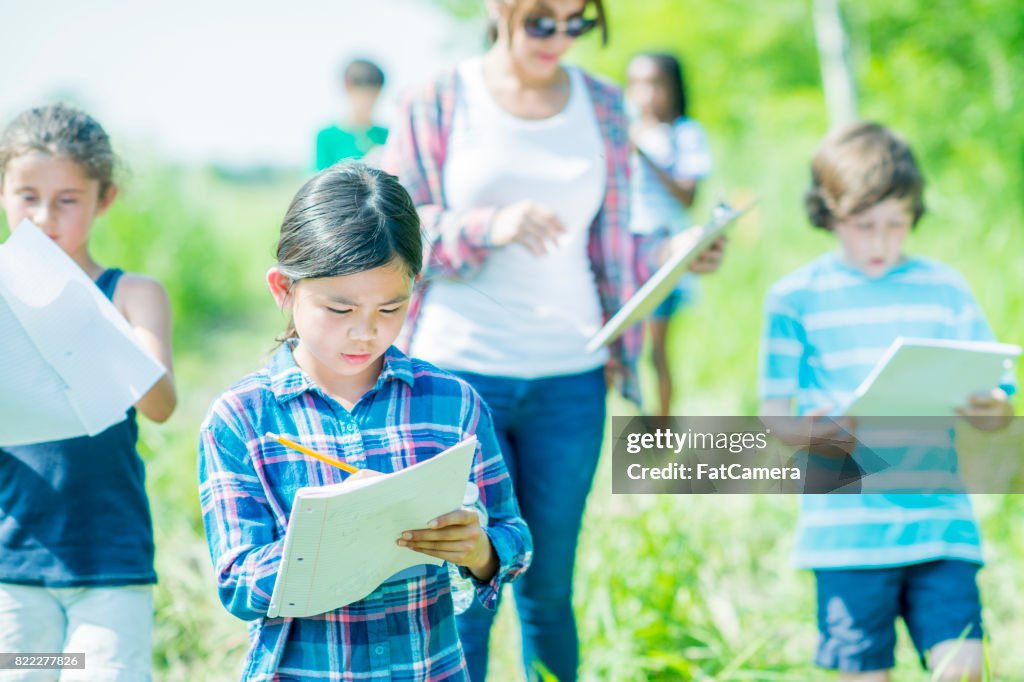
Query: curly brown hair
(60, 130)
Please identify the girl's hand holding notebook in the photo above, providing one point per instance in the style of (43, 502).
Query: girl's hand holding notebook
(457, 538)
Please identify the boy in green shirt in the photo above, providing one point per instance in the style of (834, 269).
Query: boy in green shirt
(356, 135)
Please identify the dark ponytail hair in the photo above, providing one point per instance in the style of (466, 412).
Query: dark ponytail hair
(671, 70)
(348, 219)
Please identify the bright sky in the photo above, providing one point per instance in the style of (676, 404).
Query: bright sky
(234, 81)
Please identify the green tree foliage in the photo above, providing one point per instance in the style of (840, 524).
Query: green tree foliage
(949, 74)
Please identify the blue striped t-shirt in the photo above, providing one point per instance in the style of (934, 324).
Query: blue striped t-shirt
(826, 325)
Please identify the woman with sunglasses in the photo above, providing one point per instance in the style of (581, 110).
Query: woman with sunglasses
(518, 165)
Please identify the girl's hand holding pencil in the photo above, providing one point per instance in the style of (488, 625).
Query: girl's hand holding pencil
(364, 473)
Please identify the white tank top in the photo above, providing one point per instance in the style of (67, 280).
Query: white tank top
(519, 315)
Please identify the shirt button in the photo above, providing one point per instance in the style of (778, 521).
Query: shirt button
(378, 650)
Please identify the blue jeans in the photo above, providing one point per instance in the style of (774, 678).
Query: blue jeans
(550, 432)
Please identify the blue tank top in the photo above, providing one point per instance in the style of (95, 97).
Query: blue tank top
(74, 512)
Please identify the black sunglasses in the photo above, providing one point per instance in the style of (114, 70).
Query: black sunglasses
(546, 27)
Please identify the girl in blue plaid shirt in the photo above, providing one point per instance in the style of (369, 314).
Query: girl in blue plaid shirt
(349, 253)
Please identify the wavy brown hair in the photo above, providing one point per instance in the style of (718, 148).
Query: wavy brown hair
(857, 167)
(60, 130)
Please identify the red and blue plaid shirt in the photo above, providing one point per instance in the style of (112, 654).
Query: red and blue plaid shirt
(458, 241)
(404, 630)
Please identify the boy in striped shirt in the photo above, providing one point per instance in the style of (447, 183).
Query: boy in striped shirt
(880, 555)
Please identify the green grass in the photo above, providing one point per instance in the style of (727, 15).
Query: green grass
(193, 632)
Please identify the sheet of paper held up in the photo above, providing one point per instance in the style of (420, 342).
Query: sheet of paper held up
(341, 539)
(931, 377)
(660, 285)
(70, 363)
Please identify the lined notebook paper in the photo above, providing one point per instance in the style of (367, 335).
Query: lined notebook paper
(341, 539)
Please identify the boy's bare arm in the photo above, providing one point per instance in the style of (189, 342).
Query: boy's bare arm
(810, 429)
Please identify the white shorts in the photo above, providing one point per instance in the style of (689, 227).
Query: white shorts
(112, 626)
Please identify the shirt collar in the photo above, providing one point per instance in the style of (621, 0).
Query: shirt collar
(287, 380)
(397, 365)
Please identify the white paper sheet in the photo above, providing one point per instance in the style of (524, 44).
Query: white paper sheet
(660, 285)
(70, 363)
(340, 544)
(929, 377)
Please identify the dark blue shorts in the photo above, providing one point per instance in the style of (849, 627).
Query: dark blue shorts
(669, 306)
(857, 610)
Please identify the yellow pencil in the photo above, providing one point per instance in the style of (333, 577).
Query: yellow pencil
(312, 453)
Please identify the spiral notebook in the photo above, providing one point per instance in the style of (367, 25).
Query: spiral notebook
(341, 539)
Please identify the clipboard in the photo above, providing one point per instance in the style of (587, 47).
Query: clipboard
(660, 285)
(340, 544)
(930, 377)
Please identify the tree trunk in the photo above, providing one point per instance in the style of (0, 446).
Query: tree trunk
(836, 71)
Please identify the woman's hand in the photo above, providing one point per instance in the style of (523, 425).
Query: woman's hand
(457, 538)
(987, 410)
(708, 260)
(528, 223)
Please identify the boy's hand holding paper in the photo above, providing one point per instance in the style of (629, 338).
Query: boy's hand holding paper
(987, 410)
(814, 430)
